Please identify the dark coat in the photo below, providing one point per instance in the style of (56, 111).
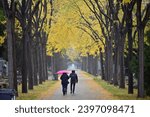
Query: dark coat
(74, 78)
(64, 79)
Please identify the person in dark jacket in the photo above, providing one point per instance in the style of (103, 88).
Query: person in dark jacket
(73, 81)
(64, 81)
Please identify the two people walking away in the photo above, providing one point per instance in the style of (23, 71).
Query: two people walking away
(64, 81)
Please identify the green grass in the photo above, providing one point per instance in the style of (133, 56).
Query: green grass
(36, 92)
(118, 93)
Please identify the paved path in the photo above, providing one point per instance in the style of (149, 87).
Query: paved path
(86, 89)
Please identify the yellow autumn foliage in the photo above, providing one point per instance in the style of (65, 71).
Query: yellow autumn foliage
(2, 40)
(65, 34)
(126, 1)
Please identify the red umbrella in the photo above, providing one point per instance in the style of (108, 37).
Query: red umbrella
(62, 71)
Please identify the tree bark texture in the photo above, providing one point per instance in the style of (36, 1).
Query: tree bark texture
(141, 50)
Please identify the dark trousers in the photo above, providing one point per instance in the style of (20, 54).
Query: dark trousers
(72, 87)
(64, 89)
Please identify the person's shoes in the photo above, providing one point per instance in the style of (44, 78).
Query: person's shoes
(71, 92)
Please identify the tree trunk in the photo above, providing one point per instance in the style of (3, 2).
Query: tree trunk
(116, 53)
(30, 70)
(39, 61)
(130, 49)
(102, 65)
(90, 64)
(14, 64)
(95, 63)
(84, 63)
(43, 63)
(45, 57)
(29, 54)
(24, 64)
(24, 39)
(141, 63)
(122, 76)
(52, 63)
(115, 78)
(46, 65)
(10, 26)
(141, 50)
(110, 62)
(10, 52)
(35, 69)
(106, 63)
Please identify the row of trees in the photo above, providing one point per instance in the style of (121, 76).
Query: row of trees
(120, 24)
(26, 27)
(110, 31)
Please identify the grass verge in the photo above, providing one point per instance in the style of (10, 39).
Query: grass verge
(36, 93)
(121, 94)
(118, 93)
